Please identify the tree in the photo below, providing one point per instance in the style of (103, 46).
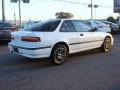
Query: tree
(63, 15)
(111, 19)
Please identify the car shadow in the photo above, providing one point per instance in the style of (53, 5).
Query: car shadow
(12, 59)
(88, 52)
(3, 43)
(12, 62)
(19, 62)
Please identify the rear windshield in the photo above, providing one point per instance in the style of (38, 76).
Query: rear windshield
(106, 22)
(88, 23)
(4, 24)
(45, 26)
(99, 23)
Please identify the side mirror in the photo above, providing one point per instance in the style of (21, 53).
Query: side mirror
(93, 30)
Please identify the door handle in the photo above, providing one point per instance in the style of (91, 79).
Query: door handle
(81, 34)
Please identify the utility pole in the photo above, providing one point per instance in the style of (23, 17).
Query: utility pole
(3, 10)
(95, 6)
(14, 19)
(91, 10)
(19, 6)
(91, 6)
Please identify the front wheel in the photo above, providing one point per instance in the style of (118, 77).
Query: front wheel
(107, 45)
(59, 54)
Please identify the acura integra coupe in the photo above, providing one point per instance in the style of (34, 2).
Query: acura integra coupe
(57, 39)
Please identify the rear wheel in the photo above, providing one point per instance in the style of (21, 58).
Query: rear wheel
(59, 55)
(112, 31)
(107, 44)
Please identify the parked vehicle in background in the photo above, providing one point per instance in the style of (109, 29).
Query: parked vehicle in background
(114, 27)
(29, 23)
(5, 30)
(58, 38)
(101, 27)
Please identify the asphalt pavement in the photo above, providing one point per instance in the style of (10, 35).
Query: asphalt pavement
(90, 70)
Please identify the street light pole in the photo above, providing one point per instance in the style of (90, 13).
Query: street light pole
(95, 6)
(14, 19)
(3, 11)
(91, 6)
(91, 10)
(19, 6)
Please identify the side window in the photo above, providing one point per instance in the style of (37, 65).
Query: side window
(80, 26)
(67, 26)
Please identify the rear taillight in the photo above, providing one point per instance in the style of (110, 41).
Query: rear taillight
(13, 29)
(31, 39)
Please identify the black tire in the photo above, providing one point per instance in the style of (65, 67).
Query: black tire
(59, 55)
(112, 31)
(106, 47)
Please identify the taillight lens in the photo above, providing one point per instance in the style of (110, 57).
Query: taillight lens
(31, 39)
(13, 29)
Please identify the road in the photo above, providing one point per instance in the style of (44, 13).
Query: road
(91, 70)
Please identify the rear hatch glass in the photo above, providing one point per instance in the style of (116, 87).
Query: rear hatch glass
(45, 26)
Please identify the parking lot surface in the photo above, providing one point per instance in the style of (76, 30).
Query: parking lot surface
(90, 70)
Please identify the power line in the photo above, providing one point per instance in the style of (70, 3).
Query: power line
(73, 2)
(91, 5)
(105, 6)
(64, 1)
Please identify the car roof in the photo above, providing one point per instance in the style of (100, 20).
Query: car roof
(110, 22)
(65, 19)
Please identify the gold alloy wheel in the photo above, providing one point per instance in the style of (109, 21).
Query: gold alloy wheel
(107, 44)
(60, 54)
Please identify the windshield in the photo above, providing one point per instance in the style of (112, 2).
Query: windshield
(45, 26)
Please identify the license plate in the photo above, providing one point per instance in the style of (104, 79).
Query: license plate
(15, 50)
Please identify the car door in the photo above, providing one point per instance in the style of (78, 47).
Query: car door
(87, 39)
(69, 34)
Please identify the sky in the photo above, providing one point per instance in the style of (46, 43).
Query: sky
(46, 9)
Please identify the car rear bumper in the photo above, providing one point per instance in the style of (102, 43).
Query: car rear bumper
(41, 52)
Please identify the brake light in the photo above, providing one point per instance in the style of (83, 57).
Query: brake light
(31, 39)
(13, 29)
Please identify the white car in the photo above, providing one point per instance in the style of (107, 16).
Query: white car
(101, 27)
(58, 38)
